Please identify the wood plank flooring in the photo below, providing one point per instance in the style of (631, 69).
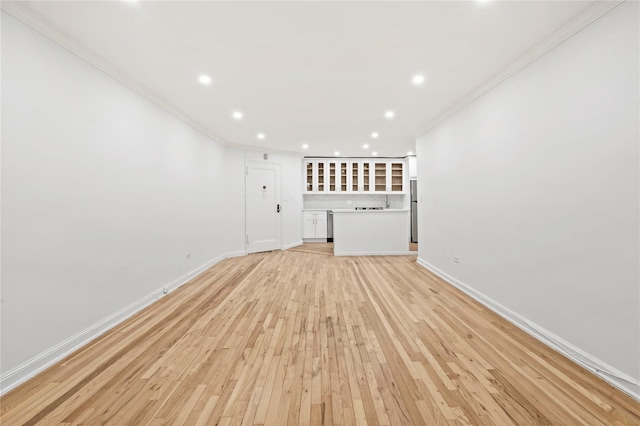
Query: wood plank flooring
(305, 339)
(315, 248)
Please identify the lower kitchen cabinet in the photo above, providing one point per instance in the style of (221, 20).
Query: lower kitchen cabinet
(314, 224)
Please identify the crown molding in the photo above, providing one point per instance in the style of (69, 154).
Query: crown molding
(20, 11)
(587, 17)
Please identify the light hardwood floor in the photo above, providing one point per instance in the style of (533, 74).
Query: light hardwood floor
(315, 248)
(299, 338)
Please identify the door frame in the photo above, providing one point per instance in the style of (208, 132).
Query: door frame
(248, 163)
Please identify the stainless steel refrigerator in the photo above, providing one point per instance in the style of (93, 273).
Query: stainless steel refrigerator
(414, 211)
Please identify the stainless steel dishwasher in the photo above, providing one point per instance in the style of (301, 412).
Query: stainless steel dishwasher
(329, 226)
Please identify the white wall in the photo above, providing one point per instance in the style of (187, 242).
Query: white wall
(235, 200)
(103, 194)
(535, 186)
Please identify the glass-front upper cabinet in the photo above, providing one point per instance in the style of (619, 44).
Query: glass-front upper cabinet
(344, 177)
(354, 176)
(366, 177)
(336, 177)
(332, 177)
(396, 177)
(309, 176)
(361, 176)
(380, 177)
(321, 181)
(314, 176)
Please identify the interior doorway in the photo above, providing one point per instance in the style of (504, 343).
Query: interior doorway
(263, 205)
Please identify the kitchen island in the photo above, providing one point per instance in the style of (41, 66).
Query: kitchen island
(370, 232)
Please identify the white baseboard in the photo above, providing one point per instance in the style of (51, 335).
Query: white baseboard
(44, 360)
(292, 245)
(608, 373)
(313, 240)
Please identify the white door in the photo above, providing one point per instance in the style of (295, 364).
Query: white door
(263, 207)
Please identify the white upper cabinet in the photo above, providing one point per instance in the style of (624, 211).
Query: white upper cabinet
(396, 177)
(389, 176)
(356, 176)
(413, 167)
(337, 176)
(310, 176)
(380, 181)
(314, 176)
(359, 176)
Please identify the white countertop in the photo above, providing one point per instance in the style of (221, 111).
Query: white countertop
(369, 211)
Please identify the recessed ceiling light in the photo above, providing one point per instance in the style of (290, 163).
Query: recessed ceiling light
(204, 79)
(305, 146)
(365, 146)
(389, 114)
(336, 153)
(237, 115)
(261, 136)
(374, 153)
(418, 79)
(374, 135)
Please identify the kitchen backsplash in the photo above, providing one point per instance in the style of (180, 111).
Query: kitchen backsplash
(341, 201)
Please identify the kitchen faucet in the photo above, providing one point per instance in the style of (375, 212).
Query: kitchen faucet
(386, 201)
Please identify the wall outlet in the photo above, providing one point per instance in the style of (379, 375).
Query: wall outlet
(165, 290)
(449, 257)
(188, 255)
(456, 259)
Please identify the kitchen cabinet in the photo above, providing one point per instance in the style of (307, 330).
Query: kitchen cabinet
(380, 183)
(322, 176)
(396, 173)
(412, 163)
(388, 177)
(357, 176)
(314, 175)
(366, 177)
(310, 177)
(314, 224)
(337, 176)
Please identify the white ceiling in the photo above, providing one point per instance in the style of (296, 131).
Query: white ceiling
(321, 73)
